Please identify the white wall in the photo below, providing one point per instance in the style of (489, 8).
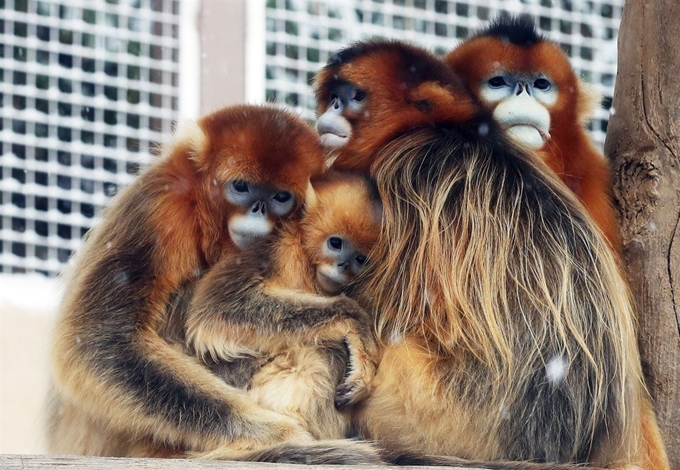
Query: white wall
(27, 306)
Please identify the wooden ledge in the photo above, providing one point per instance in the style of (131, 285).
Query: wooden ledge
(64, 462)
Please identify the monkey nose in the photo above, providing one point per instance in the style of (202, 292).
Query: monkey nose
(259, 206)
(521, 87)
(343, 265)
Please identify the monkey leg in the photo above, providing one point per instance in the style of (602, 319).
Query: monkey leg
(267, 318)
(652, 450)
(301, 383)
(71, 430)
(643, 448)
(410, 411)
(142, 387)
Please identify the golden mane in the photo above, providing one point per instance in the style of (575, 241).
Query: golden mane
(497, 260)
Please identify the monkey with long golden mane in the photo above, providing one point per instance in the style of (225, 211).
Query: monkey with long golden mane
(528, 84)
(119, 386)
(508, 333)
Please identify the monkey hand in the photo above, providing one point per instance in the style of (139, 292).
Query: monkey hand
(266, 428)
(278, 428)
(363, 353)
(357, 384)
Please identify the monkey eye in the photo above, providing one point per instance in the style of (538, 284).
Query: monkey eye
(335, 243)
(240, 186)
(283, 196)
(359, 95)
(360, 259)
(497, 82)
(542, 84)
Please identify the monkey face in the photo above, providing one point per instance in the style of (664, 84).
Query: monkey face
(259, 161)
(372, 91)
(340, 228)
(257, 208)
(521, 104)
(525, 80)
(345, 102)
(342, 262)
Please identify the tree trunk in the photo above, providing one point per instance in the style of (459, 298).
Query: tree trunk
(643, 143)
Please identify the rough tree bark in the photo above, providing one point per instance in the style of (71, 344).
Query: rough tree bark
(643, 143)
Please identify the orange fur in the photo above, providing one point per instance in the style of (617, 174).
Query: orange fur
(344, 205)
(429, 101)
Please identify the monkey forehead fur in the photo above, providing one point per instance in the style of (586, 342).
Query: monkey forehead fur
(519, 30)
(347, 204)
(260, 143)
(383, 62)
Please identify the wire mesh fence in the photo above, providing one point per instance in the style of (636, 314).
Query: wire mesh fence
(88, 89)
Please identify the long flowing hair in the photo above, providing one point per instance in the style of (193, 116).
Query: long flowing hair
(488, 257)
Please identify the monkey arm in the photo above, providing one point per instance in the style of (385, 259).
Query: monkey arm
(326, 319)
(236, 309)
(140, 385)
(251, 290)
(111, 362)
(593, 186)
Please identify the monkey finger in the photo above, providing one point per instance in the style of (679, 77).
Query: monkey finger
(343, 396)
(350, 392)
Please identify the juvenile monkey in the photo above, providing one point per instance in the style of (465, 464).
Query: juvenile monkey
(213, 191)
(279, 306)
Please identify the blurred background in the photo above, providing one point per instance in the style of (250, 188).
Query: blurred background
(90, 88)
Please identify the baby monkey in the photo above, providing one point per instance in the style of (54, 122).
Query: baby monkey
(274, 320)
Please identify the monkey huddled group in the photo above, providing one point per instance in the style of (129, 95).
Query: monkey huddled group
(449, 292)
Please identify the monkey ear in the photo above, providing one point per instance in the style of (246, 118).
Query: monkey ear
(428, 95)
(431, 96)
(310, 198)
(189, 134)
(589, 99)
(377, 211)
